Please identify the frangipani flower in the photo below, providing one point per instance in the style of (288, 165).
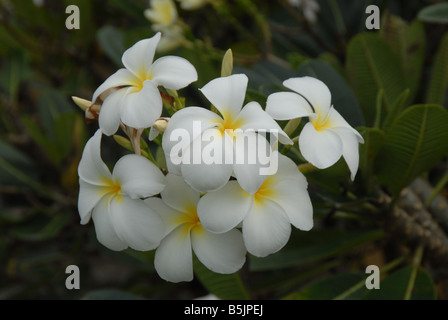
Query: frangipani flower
(327, 136)
(138, 103)
(113, 201)
(266, 215)
(226, 136)
(221, 253)
(162, 14)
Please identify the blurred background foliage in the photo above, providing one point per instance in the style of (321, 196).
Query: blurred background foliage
(390, 83)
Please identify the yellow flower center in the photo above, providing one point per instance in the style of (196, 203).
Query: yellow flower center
(229, 124)
(321, 123)
(190, 220)
(265, 191)
(111, 188)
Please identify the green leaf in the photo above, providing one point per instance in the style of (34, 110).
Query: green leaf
(43, 141)
(438, 83)
(51, 105)
(224, 286)
(394, 286)
(436, 13)
(330, 287)
(110, 294)
(42, 228)
(111, 41)
(408, 42)
(64, 129)
(343, 97)
(372, 66)
(312, 247)
(373, 139)
(414, 143)
(16, 168)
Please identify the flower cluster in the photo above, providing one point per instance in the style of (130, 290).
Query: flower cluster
(227, 190)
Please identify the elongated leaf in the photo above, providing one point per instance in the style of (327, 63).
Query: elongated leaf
(372, 66)
(111, 40)
(436, 13)
(373, 139)
(438, 83)
(343, 97)
(224, 286)
(19, 161)
(331, 287)
(327, 246)
(408, 42)
(415, 142)
(42, 229)
(394, 286)
(51, 105)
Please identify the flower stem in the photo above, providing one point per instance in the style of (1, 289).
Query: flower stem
(306, 168)
(415, 265)
(291, 126)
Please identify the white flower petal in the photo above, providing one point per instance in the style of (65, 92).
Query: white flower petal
(222, 210)
(174, 258)
(287, 169)
(109, 118)
(266, 228)
(89, 196)
(122, 77)
(222, 253)
(138, 177)
(252, 152)
(135, 223)
(91, 168)
(173, 72)
(321, 148)
(293, 197)
(105, 231)
(206, 177)
(337, 121)
(141, 108)
(350, 149)
(227, 94)
(287, 105)
(178, 195)
(184, 126)
(170, 216)
(314, 90)
(253, 117)
(138, 58)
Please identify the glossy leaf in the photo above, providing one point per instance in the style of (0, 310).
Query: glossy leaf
(321, 246)
(436, 13)
(394, 286)
(372, 66)
(438, 83)
(224, 286)
(415, 142)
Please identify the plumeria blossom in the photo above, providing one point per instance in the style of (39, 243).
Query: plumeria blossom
(113, 201)
(327, 136)
(224, 134)
(221, 253)
(162, 14)
(266, 215)
(137, 103)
